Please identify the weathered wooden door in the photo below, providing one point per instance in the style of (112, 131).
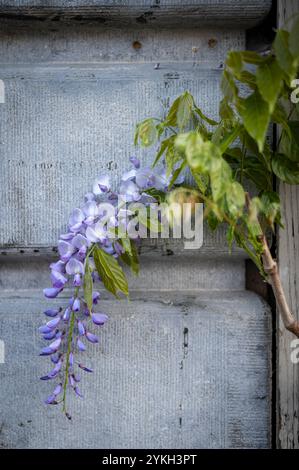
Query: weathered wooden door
(187, 362)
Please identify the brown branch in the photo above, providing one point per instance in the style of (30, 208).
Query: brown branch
(271, 269)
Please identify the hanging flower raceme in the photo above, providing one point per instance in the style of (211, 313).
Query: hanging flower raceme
(95, 242)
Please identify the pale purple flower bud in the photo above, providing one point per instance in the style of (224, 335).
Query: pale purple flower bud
(44, 329)
(129, 191)
(50, 400)
(129, 175)
(76, 305)
(71, 359)
(53, 323)
(96, 233)
(81, 345)
(51, 312)
(99, 318)
(46, 351)
(57, 390)
(81, 328)
(55, 358)
(51, 292)
(76, 378)
(91, 211)
(91, 337)
(101, 185)
(49, 336)
(55, 345)
(66, 315)
(95, 297)
(77, 280)
(71, 379)
(77, 392)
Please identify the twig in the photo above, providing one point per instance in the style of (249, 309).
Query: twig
(271, 268)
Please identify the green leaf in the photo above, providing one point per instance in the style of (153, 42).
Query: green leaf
(130, 257)
(110, 272)
(234, 63)
(184, 110)
(171, 118)
(147, 132)
(201, 181)
(228, 87)
(220, 175)
(255, 169)
(252, 57)
(235, 198)
(163, 147)
(87, 285)
(225, 110)
(285, 169)
(255, 113)
(269, 81)
(283, 55)
(171, 158)
(229, 138)
(270, 207)
(156, 194)
(230, 235)
(290, 141)
(210, 121)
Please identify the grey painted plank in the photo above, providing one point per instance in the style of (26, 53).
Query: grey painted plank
(288, 373)
(152, 386)
(146, 12)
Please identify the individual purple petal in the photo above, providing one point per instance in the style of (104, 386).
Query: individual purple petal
(129, 191)
(56, 369)
(67, 236)
(57, 390)
(86, 369)
(79, 241)
(101, 185)
(53, 323)
(58, 334)
(71, 379)
(74, 266)
(76, 305)
(91, 337)
(51, 312)
(129, 175)
(91, 211)
(51, 292)
(96, 233)
(81, 345)
(77, 392)
(46, 377)
(76, 378)
(99, 318)
(135, 161)
(95, 297)
(81, 328)
(65, 250)
(57, 279)
(58, 266)
(76, 219)
(66, 315)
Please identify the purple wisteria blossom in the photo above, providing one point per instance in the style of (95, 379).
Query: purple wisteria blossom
(70, 328)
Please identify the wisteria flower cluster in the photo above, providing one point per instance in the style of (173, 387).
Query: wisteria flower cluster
(88, 254)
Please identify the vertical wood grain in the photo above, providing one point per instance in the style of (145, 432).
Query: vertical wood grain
(288, 255)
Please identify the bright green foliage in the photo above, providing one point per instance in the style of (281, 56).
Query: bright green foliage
(110, 272)
(230, 155)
